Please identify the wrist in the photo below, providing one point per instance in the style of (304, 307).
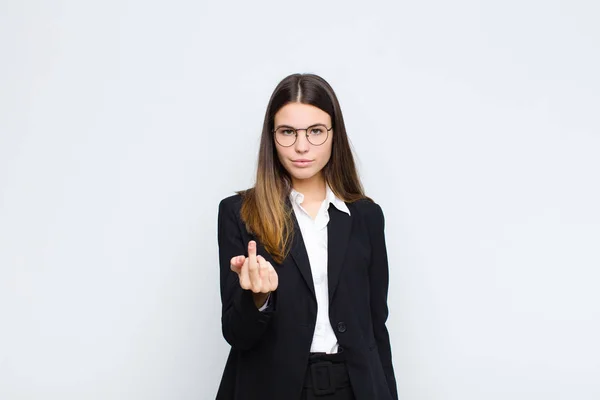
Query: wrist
(260, 299)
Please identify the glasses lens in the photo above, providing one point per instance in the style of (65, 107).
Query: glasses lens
(285, 136)
(317, 134)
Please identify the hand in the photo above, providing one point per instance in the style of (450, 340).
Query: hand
(255, 274)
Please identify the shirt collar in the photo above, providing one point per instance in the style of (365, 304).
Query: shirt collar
(297, 198)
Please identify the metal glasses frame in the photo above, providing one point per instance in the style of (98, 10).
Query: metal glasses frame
(307, 135)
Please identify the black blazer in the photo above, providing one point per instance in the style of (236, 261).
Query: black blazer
(270, 349)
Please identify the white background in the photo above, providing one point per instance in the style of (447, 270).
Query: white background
(123, 123)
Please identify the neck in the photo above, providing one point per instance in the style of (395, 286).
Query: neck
(313, 189)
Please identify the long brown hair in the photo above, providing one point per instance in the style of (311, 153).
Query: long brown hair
(264, 209)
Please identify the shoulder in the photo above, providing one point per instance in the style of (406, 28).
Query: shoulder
(366, 207)
(236, 199)
(231, 201)
(232, 204)
(370, 214)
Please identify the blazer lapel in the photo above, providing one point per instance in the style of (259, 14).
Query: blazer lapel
(299, 254)
(338, 234)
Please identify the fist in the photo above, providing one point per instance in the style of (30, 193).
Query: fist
(255, 273)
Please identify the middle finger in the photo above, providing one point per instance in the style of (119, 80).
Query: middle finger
(253, 267)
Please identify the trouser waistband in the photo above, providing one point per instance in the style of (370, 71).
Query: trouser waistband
(326, 373)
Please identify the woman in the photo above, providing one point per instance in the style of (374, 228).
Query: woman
(304, 270)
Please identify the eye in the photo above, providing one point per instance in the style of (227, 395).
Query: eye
(285, 131)
(316, 131)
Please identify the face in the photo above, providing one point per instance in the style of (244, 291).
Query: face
(300, 116)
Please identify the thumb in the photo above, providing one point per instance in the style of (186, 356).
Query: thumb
(238, 261)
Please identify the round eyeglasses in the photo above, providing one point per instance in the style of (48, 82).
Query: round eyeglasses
(316, 134)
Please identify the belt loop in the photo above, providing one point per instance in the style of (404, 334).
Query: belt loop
(322, 371)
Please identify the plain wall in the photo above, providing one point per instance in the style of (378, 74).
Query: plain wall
(123, 123)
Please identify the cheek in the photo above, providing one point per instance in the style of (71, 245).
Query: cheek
(326, 154)
(279, 152)
(282, 156)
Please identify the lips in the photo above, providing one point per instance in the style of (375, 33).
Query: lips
(302, 163)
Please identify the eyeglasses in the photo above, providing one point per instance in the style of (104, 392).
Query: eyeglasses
(316, 134)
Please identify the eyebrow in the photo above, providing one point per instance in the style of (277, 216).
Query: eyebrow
(289, 126)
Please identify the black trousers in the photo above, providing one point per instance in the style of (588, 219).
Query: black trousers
(327, 378)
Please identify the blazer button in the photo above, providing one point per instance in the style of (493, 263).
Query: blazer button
(341, 327)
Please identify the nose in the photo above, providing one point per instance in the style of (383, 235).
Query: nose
(302, 144)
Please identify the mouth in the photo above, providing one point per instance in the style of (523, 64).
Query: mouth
(302, 163)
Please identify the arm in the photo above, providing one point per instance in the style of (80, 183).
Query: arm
(379, 281)
(242, 323)
(266, 303)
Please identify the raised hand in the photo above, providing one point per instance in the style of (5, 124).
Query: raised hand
(255, 274)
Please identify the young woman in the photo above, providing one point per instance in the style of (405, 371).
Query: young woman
(304, 269)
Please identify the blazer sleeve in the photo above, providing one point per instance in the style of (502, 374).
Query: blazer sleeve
(242, 323)
(379, 281)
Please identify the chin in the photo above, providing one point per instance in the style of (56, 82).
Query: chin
(305, 176)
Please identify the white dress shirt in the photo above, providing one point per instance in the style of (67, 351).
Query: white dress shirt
(314, 234)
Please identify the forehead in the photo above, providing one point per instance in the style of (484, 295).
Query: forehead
(299, 115)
